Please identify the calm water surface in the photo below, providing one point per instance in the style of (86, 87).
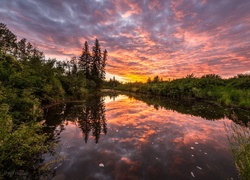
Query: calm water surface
(125, 138)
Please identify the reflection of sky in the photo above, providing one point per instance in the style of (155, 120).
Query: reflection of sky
(143, 143)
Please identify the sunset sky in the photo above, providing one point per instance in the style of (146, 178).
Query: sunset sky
(144, 38)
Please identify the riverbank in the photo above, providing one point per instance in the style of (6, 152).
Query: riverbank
(233, 92)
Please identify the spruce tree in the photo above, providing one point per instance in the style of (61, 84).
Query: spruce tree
(93, 65)
(85, 61)
(96, 66)
(103, 65)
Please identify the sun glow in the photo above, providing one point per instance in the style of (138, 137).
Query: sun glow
(182, 37)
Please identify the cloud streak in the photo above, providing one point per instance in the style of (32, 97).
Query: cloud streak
(143, 38)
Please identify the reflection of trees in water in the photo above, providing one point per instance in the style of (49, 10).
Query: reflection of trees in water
(93, 117)
(89, 115)
(196, 108)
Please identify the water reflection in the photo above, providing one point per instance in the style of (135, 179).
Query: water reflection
(209, 111)
(88, 115)
(153, 140)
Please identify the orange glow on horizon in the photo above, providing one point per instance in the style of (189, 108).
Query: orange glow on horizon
(144, 39)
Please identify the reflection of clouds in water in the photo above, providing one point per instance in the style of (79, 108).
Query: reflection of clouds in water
(165, 132)
(145, 121)
(108, 99)
(149, 143)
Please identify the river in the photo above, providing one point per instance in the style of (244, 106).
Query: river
(122, 137)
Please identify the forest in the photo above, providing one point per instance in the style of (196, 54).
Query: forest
(28, 82)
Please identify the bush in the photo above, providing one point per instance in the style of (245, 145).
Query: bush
(20, 147)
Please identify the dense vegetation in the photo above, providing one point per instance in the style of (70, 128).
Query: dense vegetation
(27, 82)
(239, 139)
(230, 92)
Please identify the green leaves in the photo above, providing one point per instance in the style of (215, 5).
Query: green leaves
(20, 146)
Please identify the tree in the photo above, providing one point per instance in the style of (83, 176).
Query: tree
(85, 61)
(93, 65)
(37, 55)
(73, 63)
(96, 66)
(156, 79)
(190, 76)
(7, 40)
(29, 49)
(149, 80)
(103, 65)
(21, 46)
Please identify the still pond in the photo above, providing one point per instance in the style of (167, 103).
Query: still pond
(122, 137)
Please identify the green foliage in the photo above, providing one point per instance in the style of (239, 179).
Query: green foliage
(20, 146)
(28, 81)
(230, 92)
(112, 83)
(241, 81)
(239, 139)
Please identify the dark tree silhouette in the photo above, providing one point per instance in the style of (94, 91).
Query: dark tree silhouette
(21, 45)
(7, 40)
(90, 116)
(149, 80)
(96, 66)
(85, 62)
(94, 118)
(156, 79)
(93, 65)
(103, 65)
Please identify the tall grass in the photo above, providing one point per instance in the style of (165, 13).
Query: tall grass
(239, 139)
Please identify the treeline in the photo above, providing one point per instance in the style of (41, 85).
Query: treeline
(111, 84)
(28, 81)
(230, 92)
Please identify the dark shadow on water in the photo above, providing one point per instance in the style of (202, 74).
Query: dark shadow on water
(88, 115)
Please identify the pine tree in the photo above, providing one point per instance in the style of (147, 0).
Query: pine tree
(103, 65)
(96, 66)
(93, 65)
(85, 61)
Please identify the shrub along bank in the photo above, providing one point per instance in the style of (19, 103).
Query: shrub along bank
(230, 92)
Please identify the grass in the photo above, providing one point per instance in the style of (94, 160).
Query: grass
(239, 139)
